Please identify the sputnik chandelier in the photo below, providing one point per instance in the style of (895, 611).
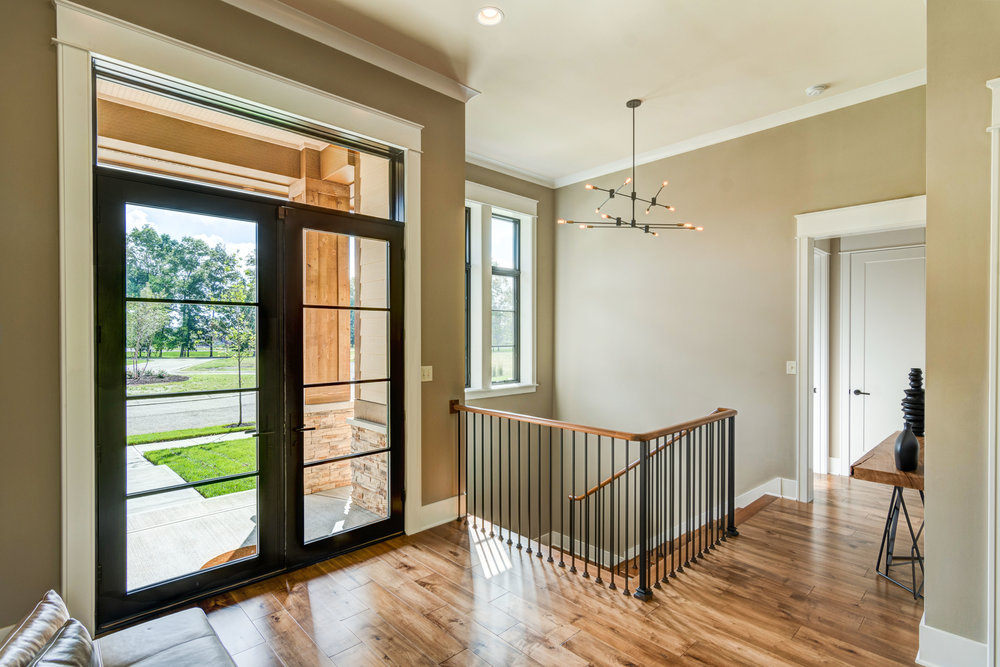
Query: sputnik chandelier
(609, 221)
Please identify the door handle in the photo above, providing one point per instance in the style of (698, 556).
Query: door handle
(254, 433)
(858, 392)
(303, 429)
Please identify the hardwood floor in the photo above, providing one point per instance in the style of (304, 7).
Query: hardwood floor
(796, 588)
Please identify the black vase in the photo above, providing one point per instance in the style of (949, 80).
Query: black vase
(907, 450)
(913, 402)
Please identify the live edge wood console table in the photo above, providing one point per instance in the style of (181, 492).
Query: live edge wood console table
(879, 465)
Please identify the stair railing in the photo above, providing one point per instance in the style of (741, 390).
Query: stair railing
(614, 505)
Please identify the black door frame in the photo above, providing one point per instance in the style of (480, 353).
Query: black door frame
(296, 221)
(280, 544)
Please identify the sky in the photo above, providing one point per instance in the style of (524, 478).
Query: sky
(237, 235)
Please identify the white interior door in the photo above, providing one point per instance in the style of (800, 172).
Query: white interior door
(887, 339)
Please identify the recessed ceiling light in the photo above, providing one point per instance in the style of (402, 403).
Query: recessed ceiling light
(813, 91)
(489, 15)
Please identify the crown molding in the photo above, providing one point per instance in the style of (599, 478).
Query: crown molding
(825, 105)
(309, 26)
(509, 170)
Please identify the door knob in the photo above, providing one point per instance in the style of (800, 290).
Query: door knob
(303, 429)
(858, 392)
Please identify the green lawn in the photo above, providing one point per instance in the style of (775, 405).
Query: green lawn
(214, 459)
(183, 434)
(228, 363)
(202, 382)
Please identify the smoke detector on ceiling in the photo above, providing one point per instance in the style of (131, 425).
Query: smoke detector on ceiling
(819, 89)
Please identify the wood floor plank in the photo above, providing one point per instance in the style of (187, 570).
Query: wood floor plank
(289, 642)
(796, 587)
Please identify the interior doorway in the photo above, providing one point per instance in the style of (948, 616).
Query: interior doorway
(841, 232)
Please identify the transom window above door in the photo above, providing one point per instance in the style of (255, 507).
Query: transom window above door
(160, 127)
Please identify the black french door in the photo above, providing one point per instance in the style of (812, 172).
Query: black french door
(228, 447)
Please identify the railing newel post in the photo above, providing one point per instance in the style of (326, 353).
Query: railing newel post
(642, 591)
(731, 491)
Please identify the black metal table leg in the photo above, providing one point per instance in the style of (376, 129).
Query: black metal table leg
(915, 559)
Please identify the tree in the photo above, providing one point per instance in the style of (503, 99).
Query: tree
(143, 321)
(240, 328)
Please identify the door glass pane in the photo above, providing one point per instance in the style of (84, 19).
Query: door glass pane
(345, 341)
(341, 428)
(341, 270)
(173, 534)
(346, 494)
(344, 345)
(191, 379)
(181, 347)
(186, 256)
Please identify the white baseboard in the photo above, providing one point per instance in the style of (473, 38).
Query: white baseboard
(939, 648)
(779, 486)
(833, 466)
(434, 515)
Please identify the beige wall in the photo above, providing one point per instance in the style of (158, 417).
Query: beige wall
(963, 52)
(655, 331)
(29, 315)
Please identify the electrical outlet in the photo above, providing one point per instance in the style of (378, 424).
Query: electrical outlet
(791, 368)
(426, 373)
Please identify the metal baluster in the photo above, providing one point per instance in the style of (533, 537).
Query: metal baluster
(482, 475)
(687, 499)
(538, 541)
(700, 490)
(661, 528)
(520, 487)
(549, 489)
(562, 499)
(572, 512)
(586, 506)
(528, 536)
(473, 470)
(731, 498)
(615, 560)
(628, 524)
(671, 506)
(500, 422)
(599, 528)
(510, 483)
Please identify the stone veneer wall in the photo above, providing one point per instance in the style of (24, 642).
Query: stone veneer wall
(369, 474)
(332, 437)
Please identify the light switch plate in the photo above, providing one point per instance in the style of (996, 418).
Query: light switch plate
(791, 368)
(426, 373)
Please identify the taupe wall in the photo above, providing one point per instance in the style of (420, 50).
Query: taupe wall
(963, 52)
(655, 331)
(29, 310)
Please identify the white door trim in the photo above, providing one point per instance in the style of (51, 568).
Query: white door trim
(993, 406)
(906, 213)
(82, 33)
(821, 261)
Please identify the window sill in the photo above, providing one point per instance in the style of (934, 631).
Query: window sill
(501, 390)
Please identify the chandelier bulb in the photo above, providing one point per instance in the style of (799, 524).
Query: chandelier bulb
(656, 233)
(628, 180)
(589, 186)
(665, 184)
(561, 221)
(583, 226)
(688, 225)
(605, 216)
(699, 229)
(671, 209)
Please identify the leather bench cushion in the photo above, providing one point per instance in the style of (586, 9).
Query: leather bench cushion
(184, 638)
(34, 631)
(71, 646)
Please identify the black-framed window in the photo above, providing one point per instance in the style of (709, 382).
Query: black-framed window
(505, 301)
(468, 297)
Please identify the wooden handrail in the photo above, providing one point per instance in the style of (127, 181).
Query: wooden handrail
(720, 413)
(627, 468)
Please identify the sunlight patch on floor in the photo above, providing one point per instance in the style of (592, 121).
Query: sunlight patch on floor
(491, 553)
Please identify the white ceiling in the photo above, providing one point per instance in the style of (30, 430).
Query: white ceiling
(555, 75)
